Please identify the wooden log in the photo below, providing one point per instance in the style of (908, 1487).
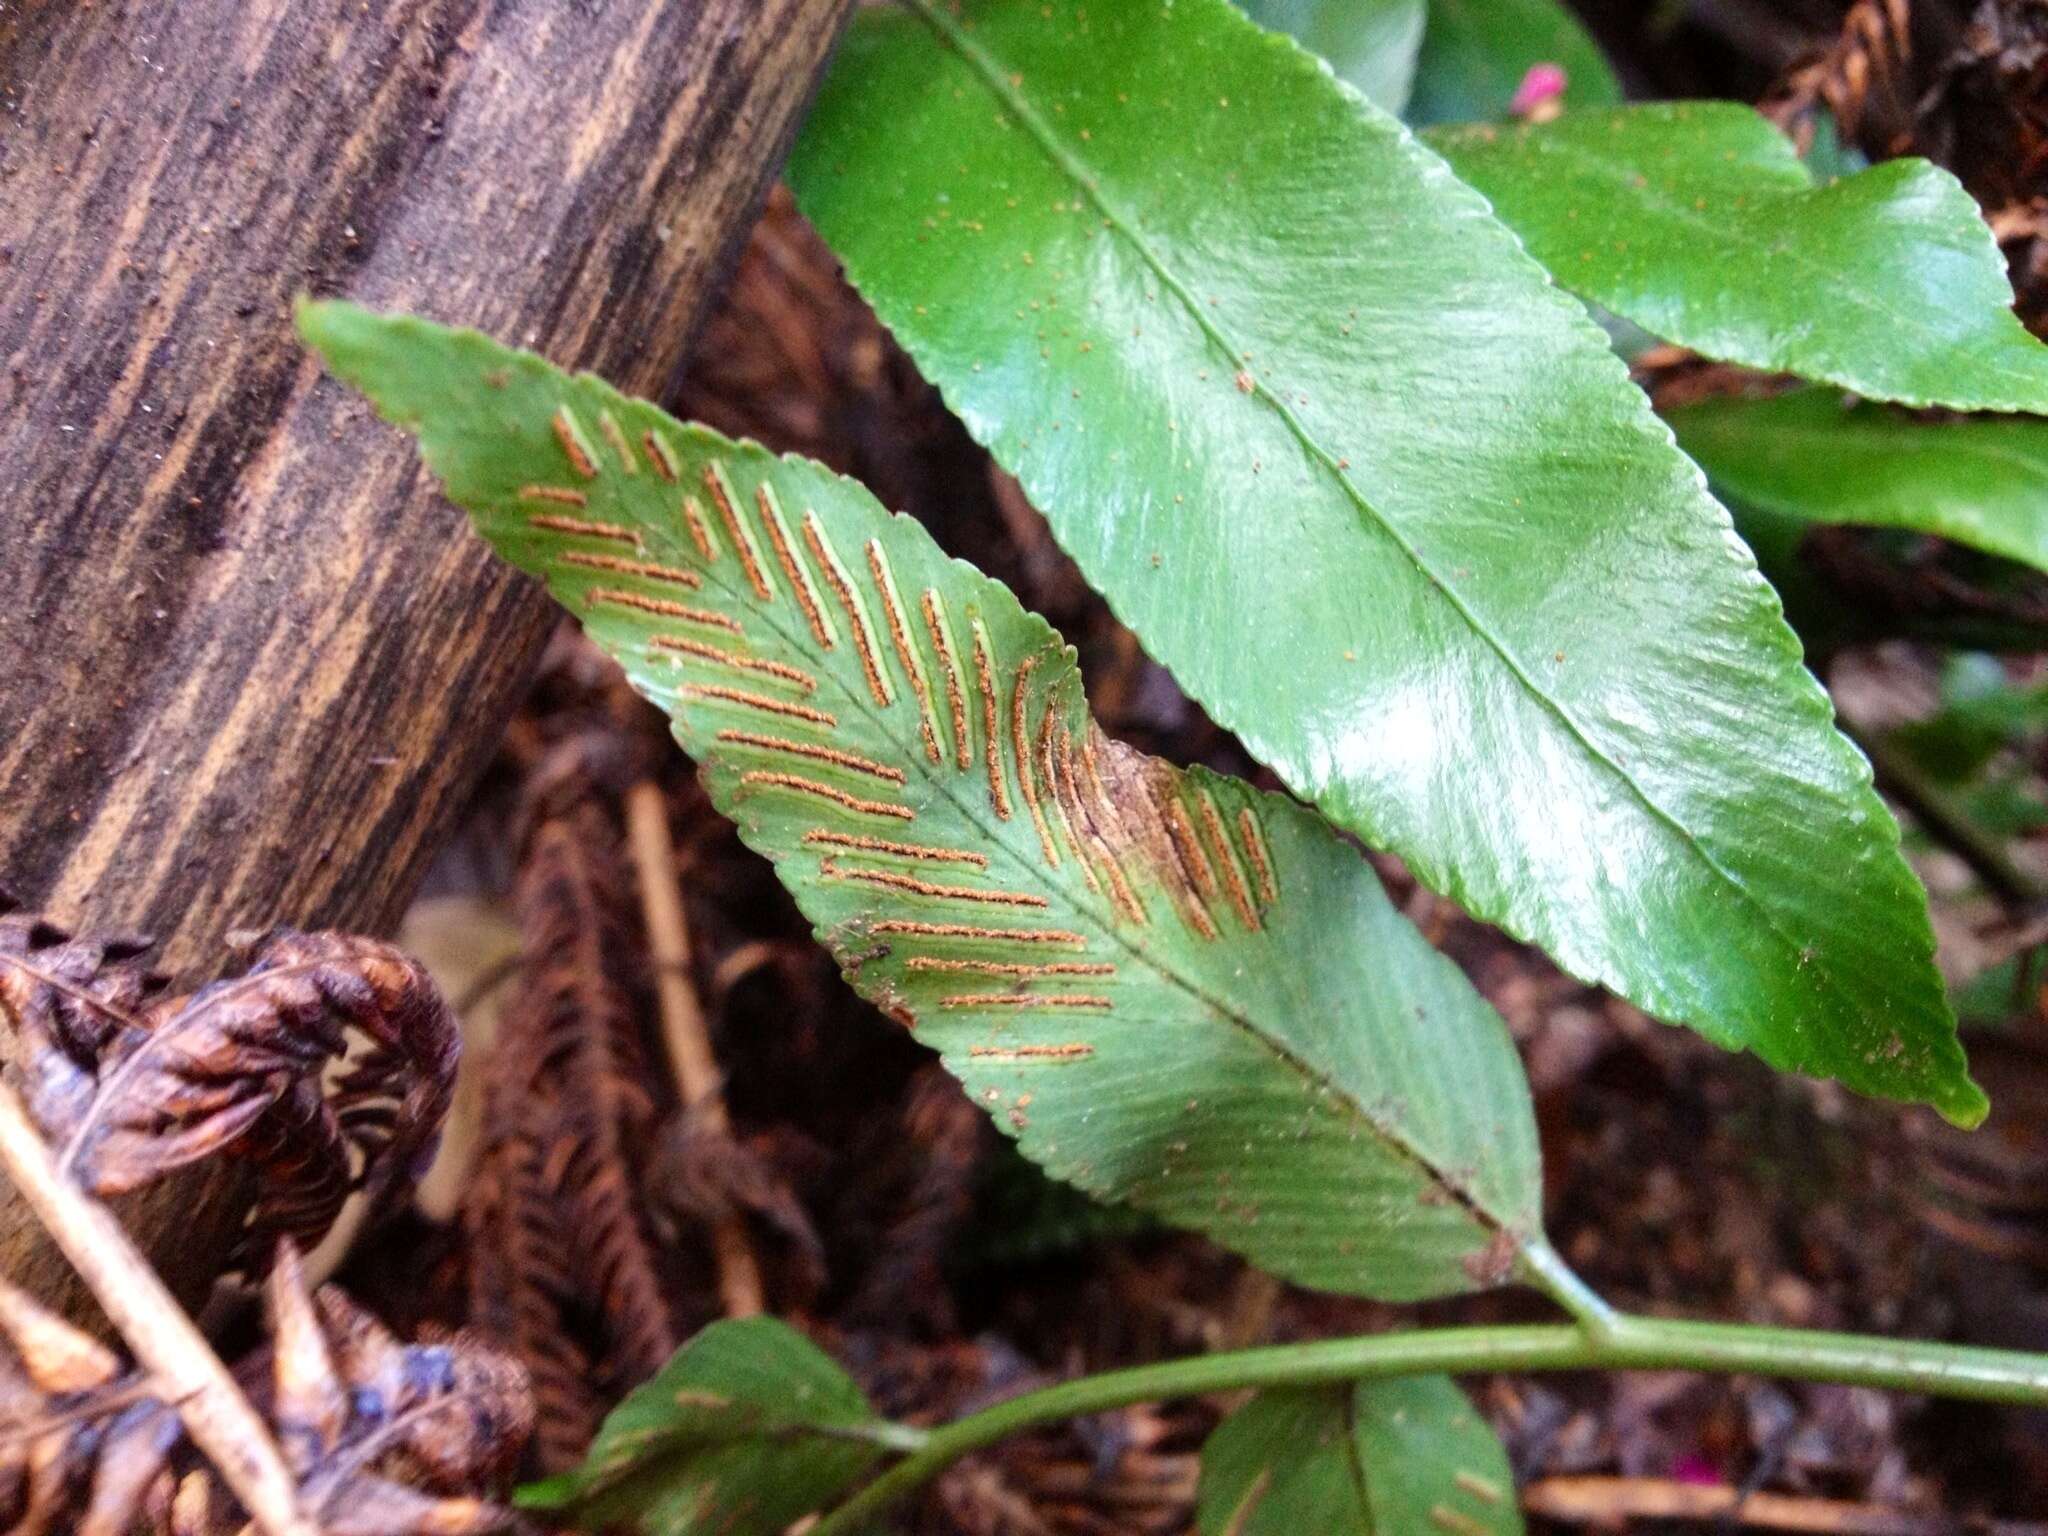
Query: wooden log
(249, 663)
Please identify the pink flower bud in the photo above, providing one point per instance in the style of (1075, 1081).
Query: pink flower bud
(1539, 97)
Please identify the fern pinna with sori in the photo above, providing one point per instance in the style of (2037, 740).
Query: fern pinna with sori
(1059, 916)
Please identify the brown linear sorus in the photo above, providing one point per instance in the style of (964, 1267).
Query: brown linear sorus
(912, 927)
(561, 496)
(1027, 1000)
(985, 680)
(1158, 829)
(1048, 771)
(583, 528)
(798, 784)
(661, 607)
(861, 843)
(841, 583)
(683, 645)
(569, 433)
(889, 879)
(822, 629)
(1066, 792)
(1016, 968)
(1072, 1050)
(722, 495)
(1254, 838)
(906, 653)
(661, 456)
(700, 530)
(1176, 853)
(850, 761)
(1020, 741)
(956, 698)
(1067, 786)
(619, 565)
(1226, 857)
(724, 695)
(1181, 828)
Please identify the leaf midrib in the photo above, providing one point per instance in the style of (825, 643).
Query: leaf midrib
(857, 701)
(1074, 168)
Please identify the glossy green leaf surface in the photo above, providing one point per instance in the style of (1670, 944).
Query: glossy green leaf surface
(1475, 54)
(1698, 221)
(1372, 44)
(1170, 988)
(1385, 503)
(749, 1427)
(1810, 457)
(1383, 1458)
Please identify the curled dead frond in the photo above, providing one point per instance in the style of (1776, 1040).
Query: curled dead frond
(128, 1085)
(385, 1439)
(65, 998)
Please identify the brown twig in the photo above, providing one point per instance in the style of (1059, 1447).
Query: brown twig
(1609, 1503)
(682, 1024)
(181, 1363)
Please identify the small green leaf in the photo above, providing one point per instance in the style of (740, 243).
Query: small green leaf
(1982, 714)
(1382, 1458)
(1384, 501)
(2010, 990)
(1476, 53)
(1810, 458)
(1697, 221)
(1371, 44)
(1972, 758)
(749, 1427)
(1170, 988)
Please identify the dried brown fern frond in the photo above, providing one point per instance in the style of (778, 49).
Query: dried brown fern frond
(128, 1085)
(1862, 77)
(574, 1017)
(558, 1232)
(522, 1281)
(384, 1438)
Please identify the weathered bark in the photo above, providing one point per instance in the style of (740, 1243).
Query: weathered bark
(248, 662)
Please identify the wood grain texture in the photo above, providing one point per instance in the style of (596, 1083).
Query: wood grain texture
(248, 662)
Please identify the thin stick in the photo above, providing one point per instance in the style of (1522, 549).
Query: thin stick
(1625, 1343)
(1610, 1501)
(682, 1025)
(182, 1365)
